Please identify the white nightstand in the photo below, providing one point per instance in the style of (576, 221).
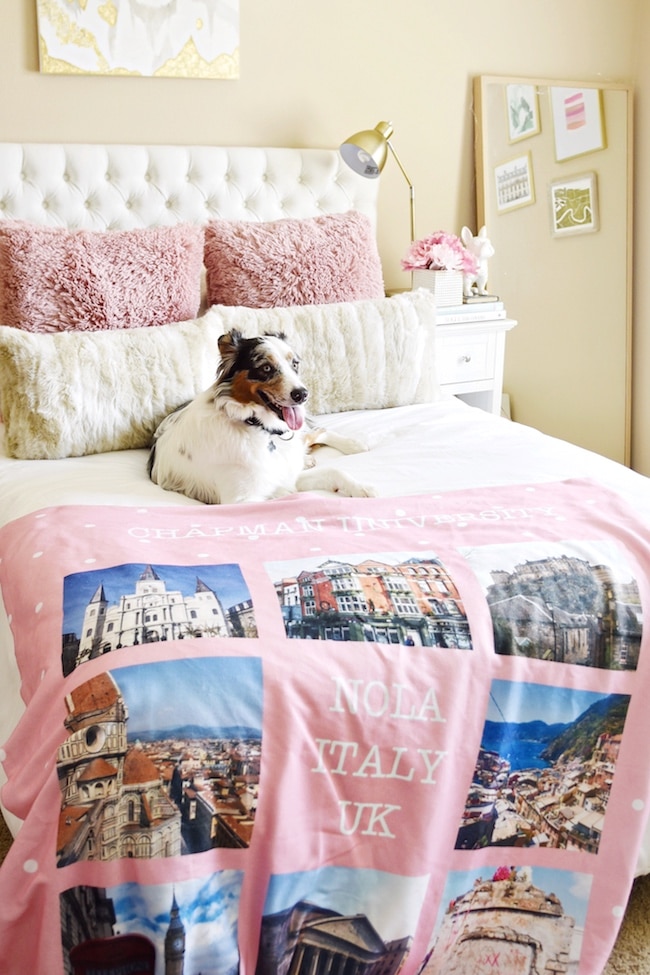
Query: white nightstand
(470, 358)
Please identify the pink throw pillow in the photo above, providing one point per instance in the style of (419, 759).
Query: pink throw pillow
(56, 280)
(314, 261)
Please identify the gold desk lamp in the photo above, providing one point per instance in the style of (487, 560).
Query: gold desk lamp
(365, 153)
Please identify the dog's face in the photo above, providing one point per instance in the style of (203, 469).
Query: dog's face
(262, 372)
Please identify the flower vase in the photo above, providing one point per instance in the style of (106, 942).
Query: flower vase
(447, 286)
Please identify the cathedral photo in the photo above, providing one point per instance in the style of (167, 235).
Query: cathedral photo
(130, 605)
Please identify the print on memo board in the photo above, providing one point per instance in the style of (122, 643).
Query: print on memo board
(163, 38)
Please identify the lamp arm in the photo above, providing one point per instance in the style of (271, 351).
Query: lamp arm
(410, 186)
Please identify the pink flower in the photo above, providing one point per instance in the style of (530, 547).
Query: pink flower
(439, 252)
(502, 873)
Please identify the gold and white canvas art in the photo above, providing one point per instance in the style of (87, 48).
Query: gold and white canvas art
(152, 38)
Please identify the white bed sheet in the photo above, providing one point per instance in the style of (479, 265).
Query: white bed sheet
(442, 446)
(438, 447)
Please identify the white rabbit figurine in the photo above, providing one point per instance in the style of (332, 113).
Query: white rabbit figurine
(482, 249)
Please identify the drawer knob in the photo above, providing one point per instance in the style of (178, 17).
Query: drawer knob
(466, 358)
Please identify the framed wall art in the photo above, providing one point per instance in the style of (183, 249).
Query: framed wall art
(522, 107)
(514, 183)
(574, 205)
(578, 122)
(166, 38)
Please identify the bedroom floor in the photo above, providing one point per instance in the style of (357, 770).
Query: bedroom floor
(631, 956)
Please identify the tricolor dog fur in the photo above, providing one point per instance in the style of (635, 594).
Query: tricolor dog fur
(246, 438)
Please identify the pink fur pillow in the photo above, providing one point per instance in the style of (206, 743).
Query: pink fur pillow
(55, 280)
(315, 261)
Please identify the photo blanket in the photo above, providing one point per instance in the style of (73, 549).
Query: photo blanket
(327, 735)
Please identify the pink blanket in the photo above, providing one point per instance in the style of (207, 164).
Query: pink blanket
(326, 735)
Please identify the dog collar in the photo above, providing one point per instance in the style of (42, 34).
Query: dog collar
(253, 421)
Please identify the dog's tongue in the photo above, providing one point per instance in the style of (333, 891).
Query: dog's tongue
(293, 416)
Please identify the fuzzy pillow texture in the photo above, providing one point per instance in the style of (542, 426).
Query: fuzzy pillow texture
(360, 355)
(317, 260)
(67, 394)
(52, 279)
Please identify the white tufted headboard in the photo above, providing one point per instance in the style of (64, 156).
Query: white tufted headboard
(124, 186)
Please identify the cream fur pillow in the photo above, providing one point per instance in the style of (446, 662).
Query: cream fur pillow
(67, 394)
(359, 355)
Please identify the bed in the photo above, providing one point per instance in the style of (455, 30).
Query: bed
(403, 733)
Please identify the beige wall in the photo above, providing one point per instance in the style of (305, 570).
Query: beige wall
(641, 334)
(567, 370)
(312, 73)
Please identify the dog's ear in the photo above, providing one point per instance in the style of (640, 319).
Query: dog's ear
(230, 341)
(229, 345)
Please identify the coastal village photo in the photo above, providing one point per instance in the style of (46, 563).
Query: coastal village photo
(544, 769)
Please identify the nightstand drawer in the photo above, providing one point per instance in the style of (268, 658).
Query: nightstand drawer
(466, 358)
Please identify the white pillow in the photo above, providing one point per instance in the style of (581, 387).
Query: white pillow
(359, 355)
(66, 394)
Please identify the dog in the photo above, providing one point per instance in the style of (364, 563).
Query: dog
(246, 438)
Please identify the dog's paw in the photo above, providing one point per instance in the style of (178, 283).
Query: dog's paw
(335, 481)
(348, 445)
(353, 489)
(367, 491)
(327, 438)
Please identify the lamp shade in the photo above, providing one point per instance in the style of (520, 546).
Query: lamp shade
(365, 152)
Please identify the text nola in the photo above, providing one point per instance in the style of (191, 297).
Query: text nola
(346, 759)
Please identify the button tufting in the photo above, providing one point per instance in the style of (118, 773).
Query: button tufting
(216, 189)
